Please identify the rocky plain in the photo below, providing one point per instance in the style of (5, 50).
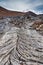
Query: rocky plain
(21, 39)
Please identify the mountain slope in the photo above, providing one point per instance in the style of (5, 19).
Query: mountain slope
(5, 12)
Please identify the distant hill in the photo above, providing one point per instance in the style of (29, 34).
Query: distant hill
(5, 12)
(31, 13)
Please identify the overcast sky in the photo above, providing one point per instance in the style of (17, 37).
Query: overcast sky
(23, 5)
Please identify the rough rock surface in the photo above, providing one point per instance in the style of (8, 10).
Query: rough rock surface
(20, 45)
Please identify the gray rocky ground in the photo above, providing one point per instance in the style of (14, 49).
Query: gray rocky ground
(20, 43)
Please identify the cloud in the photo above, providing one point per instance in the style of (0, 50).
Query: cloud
(23, 5)
(39, 9)
(15, 5)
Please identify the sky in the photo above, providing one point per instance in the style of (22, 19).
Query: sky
(35, 6)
